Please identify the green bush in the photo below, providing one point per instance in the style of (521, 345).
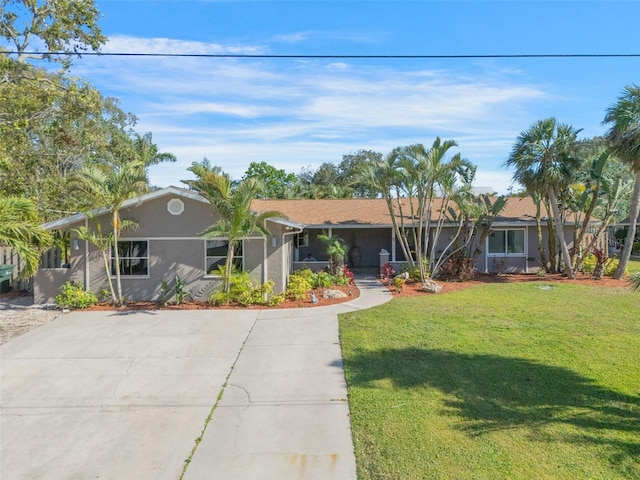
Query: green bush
(298, 286)
(305, 273)
(73, 296)
(414, 272)
(323, 279)
(244, 292)
(610, 265)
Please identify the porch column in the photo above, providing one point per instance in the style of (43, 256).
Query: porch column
(393, 244)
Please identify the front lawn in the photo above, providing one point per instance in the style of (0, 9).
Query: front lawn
(499, 381)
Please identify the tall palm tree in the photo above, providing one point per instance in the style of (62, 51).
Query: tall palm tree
(233, 203)
(545, 162)
(110, 186)
(624, 135)
(20, 230)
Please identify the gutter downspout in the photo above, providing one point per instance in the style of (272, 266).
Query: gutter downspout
(87, 276)
(264, 262)
(285, 275)
(486, 254)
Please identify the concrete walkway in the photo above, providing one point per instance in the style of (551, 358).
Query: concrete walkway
(119, 396)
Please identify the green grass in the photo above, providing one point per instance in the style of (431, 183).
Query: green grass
(634, 265)
(500, 381)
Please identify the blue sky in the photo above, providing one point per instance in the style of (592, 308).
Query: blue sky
(295, 113)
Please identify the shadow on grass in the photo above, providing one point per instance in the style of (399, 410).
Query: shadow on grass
(491, 392)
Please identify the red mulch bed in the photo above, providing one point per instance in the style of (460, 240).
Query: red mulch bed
(351, 291)
(413, 289)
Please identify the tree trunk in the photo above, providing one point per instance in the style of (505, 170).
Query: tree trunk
(553, 257)
(108, 270)
(227, 270)
(120, 301)
(543, 253)
(557, 223)
(634, 211)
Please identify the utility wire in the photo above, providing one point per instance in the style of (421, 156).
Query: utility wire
(331, 56)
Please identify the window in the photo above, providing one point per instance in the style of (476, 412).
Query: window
(133, 256)
(302, 239)
(216, 255)
(506, 242)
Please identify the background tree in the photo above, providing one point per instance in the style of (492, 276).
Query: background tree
(20, 230)
(51, 126)
(61, 25)
(544, 158)
(275, 180)
(624, 135)
(350, 172)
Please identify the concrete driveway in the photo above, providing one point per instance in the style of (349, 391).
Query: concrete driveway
(251, 394)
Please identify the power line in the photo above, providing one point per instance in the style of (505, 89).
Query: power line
(334, 56)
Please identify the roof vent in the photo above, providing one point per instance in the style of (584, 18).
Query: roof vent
(175, 206)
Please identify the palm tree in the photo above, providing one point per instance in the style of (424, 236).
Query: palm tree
(545, 162)
(111, 186)
(624, 135)
(336, 248)
(20, 230)
(233, 203)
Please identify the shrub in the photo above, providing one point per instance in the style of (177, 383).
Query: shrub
(590, 261)
(458, 267)
(73, 296)
(398, 282)
(306, 273)
(344, 277)
(244, 292)
(323, 279)
(387, 270)
(298, 286)
(413, 272)
(181, 291)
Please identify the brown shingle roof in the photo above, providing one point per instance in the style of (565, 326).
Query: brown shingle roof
(370, 211)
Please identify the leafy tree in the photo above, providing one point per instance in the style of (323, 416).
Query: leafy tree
(20, 230)
(276, 181)
(544, 158)
(61, 25)
(624, 135)
(350, 171)
(111, 186)
(51, 126)
(326, 174)
(233, 204)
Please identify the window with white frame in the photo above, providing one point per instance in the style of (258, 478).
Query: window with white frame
(133, 256)
(506, 242)
(216, 255)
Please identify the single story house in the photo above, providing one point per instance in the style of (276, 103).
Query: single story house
(365, 226)
(167, 243)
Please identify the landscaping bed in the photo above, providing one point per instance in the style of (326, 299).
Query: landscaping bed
(413, 288)
(350, 290)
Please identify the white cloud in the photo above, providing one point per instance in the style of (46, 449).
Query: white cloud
(129, 44)
(294, 113)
